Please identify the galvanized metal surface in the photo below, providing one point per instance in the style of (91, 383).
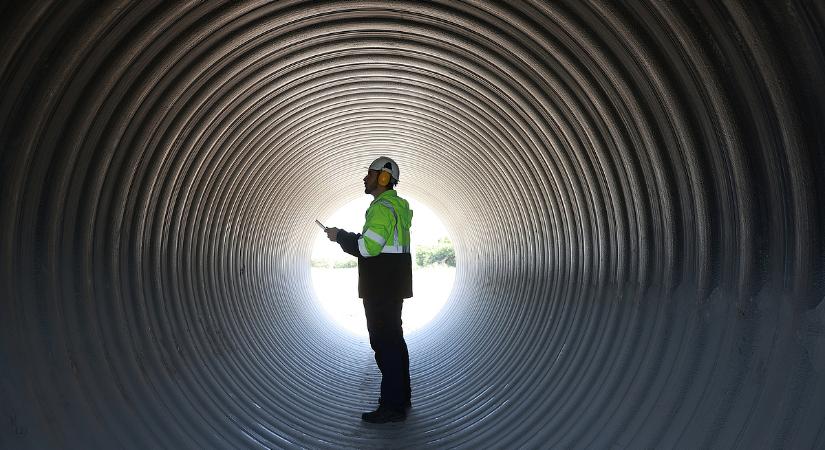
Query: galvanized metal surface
(635, 191)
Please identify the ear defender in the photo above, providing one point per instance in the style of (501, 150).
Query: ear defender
(384, 178)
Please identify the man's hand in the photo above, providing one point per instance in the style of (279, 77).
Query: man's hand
(332, 233)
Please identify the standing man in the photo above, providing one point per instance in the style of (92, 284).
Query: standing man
(384, 281)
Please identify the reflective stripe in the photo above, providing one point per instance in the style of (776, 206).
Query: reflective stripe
(395, 249)
(395, 228)
(375, 237)
(363, 248)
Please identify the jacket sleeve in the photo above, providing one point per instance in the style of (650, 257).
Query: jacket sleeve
(348, 242)
(378, 230)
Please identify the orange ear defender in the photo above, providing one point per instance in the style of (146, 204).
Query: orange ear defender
(384, 178)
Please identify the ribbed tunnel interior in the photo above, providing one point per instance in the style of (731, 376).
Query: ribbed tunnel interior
(635, 191)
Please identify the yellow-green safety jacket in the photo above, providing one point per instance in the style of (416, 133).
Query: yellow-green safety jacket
(383, 248)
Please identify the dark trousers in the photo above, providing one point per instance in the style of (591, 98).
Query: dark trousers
(387, 341)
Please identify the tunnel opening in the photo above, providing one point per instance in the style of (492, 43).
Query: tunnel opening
(335, 275)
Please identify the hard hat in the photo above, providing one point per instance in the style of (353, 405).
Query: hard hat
(385, 164)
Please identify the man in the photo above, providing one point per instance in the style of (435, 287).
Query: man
(384, 281)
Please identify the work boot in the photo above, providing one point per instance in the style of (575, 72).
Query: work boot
(384, 414)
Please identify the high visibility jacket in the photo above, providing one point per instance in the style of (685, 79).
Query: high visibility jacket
(383, 248)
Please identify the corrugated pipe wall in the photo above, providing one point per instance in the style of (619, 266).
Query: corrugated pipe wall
(635, 191)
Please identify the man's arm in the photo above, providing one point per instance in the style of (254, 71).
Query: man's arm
(378, 229)
(348, 242)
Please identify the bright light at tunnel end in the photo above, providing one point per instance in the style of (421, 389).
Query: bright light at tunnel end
(336, 288)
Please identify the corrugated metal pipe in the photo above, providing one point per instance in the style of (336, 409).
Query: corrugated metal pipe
(635, 190)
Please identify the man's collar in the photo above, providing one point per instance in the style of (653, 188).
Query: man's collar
(387, 193)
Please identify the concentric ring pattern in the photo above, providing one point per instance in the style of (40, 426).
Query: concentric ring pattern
(635, 191)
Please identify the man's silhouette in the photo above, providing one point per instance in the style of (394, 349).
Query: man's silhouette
(384, 281)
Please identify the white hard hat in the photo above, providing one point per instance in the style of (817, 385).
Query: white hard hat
(386, 165)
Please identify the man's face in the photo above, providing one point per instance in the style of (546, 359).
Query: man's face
(371, 181)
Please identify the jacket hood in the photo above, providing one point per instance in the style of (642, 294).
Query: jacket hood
(402, 206)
